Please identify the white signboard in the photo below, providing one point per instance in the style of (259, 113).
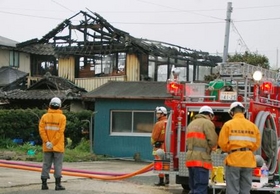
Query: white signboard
(228, 96)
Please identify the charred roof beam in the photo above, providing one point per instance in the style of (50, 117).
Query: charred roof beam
(66, 38)
(107, 24)
(82, 26)
(55, 31)
(91, 50)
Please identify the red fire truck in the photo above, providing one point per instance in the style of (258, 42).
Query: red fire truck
(256, 88)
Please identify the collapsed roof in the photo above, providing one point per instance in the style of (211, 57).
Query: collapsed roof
(87, 34)
(45, 89)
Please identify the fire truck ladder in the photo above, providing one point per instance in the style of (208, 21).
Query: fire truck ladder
(241, 75)
(238, 70)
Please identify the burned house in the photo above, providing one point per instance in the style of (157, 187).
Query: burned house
(89, 51)
(123, 76)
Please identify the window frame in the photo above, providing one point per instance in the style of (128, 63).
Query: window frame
(132, 132)
(101, 65)
(14, 59)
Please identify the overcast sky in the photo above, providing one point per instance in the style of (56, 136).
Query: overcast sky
(194, 24)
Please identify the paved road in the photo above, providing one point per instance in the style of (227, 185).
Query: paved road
(15, 181)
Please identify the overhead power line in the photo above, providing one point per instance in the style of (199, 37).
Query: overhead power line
(148, 23)
(33, 16)
(154, 23)
(258, 7)
(189, 11)
(167, 23)
(62, 6)
(242, 42)
(175, 10)
(257, 20)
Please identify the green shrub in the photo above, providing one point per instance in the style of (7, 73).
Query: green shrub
(80, 153)
(20, 123)
(76, 122)
(22, 152)
(23, 124)
(7, 143)
(84, 146)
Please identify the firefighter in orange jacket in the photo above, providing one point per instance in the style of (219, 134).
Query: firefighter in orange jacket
(51, 128)
(201, 138)
(239, 137)
(157, 140)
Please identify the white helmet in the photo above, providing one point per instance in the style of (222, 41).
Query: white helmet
(161, 109)
(160, 152)
(206, 109)
(234, 105)
(55, 102)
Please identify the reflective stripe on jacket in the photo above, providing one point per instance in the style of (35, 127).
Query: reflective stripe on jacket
(51, 128)
(240, 133)
(201, 137)
(196, 163)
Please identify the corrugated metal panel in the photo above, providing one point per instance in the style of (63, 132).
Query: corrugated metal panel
(66, 68)
(90, 84)
(132, 68)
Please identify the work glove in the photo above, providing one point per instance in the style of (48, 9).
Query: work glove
(49, 145)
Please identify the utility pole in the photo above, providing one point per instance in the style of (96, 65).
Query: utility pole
(277, 59)
(226, 41)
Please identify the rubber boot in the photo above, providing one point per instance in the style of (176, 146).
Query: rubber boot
(160, 183)
(166, 179)
(58, 186)
(44, 184)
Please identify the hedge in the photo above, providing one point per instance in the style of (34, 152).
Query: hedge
(22, 124)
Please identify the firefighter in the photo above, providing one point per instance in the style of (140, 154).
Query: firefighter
(157, 140)
(201, 138)
(239, 138)
(51, 128)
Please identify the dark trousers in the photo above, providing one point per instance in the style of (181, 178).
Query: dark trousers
(198, 180)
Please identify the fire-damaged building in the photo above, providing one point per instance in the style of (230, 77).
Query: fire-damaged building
(89, 51)
(121, 75)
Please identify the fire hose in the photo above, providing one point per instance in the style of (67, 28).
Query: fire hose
(265, 120)
(77, 173)
(64, 169)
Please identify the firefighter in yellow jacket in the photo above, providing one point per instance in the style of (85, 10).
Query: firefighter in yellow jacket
(239, 138)
(201, 138)
(51, 128)
(157, 140)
